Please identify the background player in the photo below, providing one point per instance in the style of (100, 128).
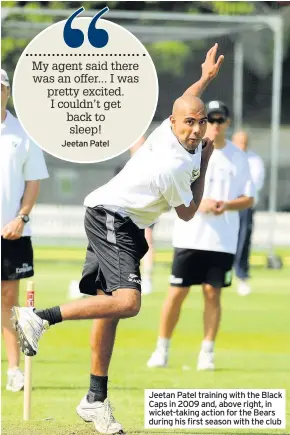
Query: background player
(22, 166)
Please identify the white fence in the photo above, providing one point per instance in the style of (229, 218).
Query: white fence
(63, 225)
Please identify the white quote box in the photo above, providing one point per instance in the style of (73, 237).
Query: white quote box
(215, 409)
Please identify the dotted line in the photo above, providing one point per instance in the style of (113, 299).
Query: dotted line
(88, 54)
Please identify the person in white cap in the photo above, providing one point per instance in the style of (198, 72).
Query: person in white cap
(22, 166)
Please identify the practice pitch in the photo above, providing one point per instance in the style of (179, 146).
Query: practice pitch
(252, 351)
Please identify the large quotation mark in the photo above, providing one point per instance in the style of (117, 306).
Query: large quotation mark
(98, 37)
(74, 38)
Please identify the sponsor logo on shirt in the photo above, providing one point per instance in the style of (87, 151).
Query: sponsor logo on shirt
(134, 278)
(195, 174)
(14, 144)
(174, 280)
(24, 268)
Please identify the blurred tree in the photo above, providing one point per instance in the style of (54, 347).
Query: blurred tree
(170, 57)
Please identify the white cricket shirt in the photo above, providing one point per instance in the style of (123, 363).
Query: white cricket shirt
(227, 178)
(156, 178)
(257, 170)
(21, 160)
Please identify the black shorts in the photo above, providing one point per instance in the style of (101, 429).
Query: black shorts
(16, 259)
(193, 266)
(115, 248)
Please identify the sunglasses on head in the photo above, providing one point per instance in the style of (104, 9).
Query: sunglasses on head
(220, 120)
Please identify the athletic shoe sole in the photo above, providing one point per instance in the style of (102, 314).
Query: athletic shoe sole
(82, 417)
(120, 432)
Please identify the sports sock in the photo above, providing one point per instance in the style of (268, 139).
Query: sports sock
(52, 315)
(207, 345)
(98, 389)
(163, 344)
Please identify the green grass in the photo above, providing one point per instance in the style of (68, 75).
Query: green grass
(252, 351)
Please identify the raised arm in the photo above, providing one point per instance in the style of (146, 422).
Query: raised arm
(210, 69)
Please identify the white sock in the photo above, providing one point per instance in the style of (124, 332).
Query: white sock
(163, 344)
(207, 346)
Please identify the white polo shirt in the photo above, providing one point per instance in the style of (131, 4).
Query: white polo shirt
(156, 178)
(227, 178)
(21, 160)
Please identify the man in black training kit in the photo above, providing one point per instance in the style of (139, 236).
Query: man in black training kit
(176, 159)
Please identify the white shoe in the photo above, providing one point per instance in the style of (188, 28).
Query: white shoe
(15, 380)
(146, 286)
(101, 414)
(205, 361)
(30, 328)
(158, 358)
(243, 288)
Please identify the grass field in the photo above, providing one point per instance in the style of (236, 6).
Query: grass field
(252, 351)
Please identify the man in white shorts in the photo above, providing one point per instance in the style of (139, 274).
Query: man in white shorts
(204, 247)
